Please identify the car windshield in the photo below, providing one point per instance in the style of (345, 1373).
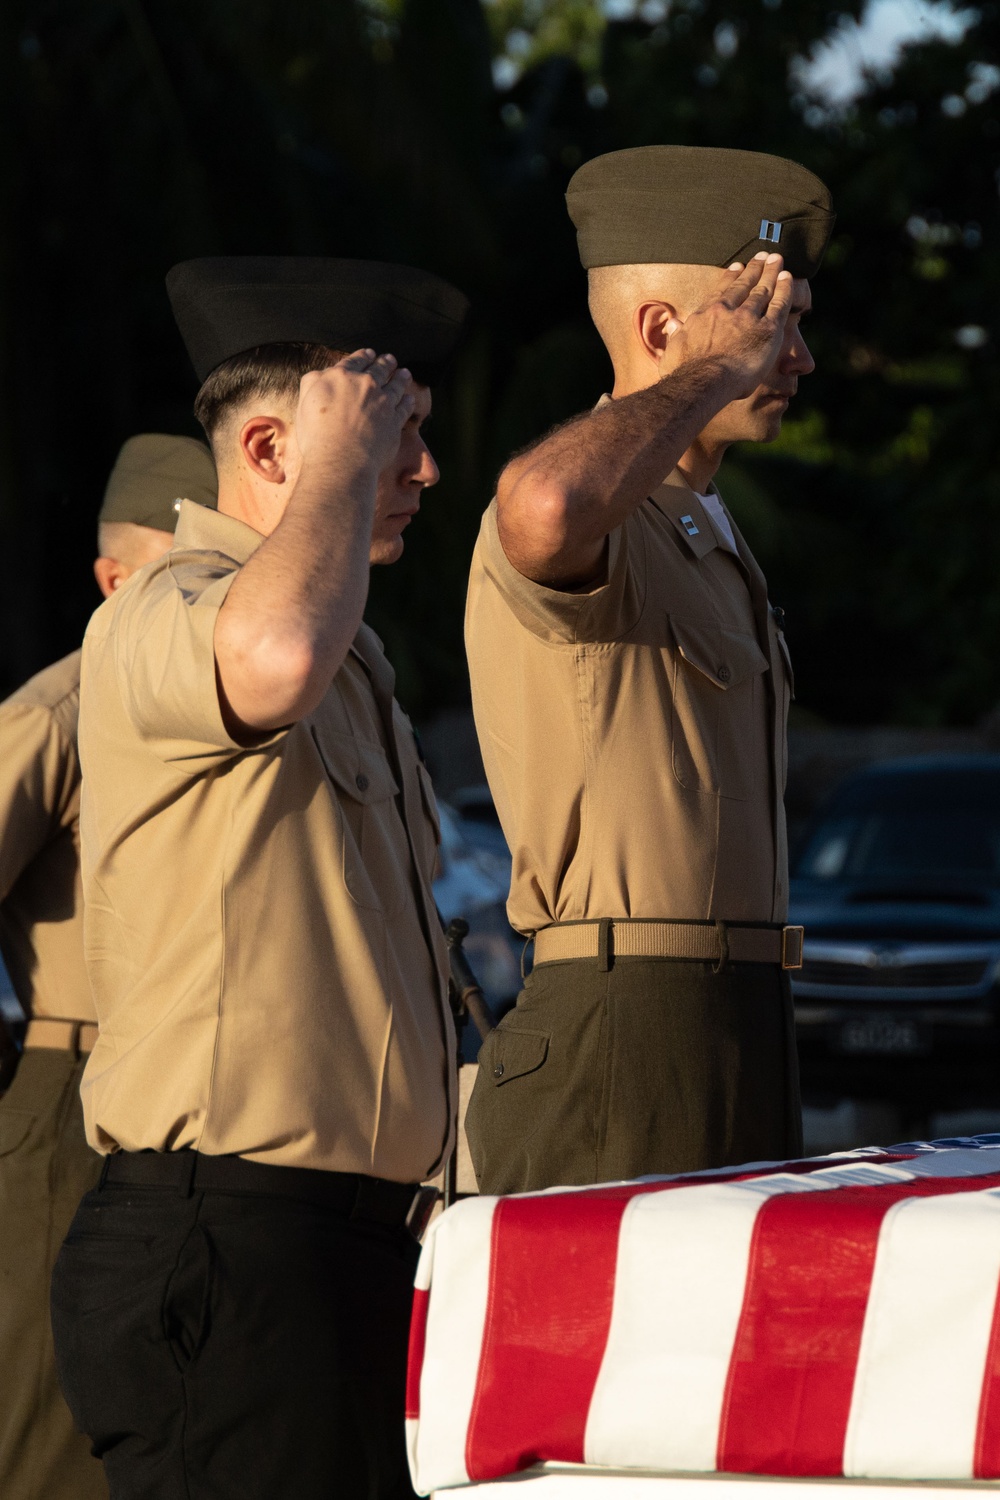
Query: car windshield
(909, 827)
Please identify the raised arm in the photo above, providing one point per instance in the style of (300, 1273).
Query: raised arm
(295, 607)
(558, 502)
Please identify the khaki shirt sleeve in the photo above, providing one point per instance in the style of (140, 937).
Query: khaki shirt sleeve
(38, 779)
(164, 658)
(571, 618)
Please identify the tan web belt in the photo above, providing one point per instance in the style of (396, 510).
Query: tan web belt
(61, 1036)
(712, 942)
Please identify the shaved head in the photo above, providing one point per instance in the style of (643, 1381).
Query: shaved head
(130, 544)
(614, 293)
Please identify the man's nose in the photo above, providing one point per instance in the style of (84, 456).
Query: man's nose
(427, 472)
(798, 360)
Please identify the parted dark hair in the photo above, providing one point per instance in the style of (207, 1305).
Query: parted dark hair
(270, 370)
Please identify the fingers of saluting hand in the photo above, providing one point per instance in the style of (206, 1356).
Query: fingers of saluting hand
(400, 390)
(383, 369)
(760, 296)
(359, 360)
(781, 298)
(739, 289)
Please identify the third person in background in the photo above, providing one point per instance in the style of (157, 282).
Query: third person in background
(631, 684)
(45, 1162)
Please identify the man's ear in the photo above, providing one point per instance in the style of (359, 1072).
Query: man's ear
(264, 444)
(110, 574)
(653, 324)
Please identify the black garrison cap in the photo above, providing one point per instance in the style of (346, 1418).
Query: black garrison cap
(153, 473)
(698, 206)
(225, 305)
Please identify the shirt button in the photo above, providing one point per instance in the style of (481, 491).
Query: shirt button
(361, 782)
(498, 1071)
(723, 673)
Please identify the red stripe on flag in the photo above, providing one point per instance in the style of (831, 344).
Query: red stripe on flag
(791, 1377)
(552, 1281)
(415, 1358)
(986, 1463)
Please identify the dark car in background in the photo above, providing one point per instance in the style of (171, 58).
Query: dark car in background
(897, 884)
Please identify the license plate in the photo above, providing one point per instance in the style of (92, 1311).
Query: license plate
(885, 1035)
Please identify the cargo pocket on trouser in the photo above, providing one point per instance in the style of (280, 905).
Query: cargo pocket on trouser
(507, 1104)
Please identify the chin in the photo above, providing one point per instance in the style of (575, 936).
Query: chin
(766, 429)
(386, 551)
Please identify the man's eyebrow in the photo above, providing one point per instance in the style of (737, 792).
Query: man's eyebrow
(802, 308)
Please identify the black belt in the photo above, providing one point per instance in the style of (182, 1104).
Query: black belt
(348, 1193)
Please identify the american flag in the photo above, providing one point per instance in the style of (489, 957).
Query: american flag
(835, 1316)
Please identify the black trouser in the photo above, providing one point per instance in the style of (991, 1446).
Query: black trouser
(238, 1346)
(45, 1164)
(655, 1065)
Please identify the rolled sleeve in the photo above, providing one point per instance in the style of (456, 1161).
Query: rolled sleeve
(564, 617)
(163, 642)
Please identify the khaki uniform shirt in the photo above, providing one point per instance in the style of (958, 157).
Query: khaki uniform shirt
(41, 900)
(269, 976)
(634, 735)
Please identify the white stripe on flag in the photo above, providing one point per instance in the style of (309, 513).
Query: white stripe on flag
(456, 1318)
(923, 1350)
(679, 1285)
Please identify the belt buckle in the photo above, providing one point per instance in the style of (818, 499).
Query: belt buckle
(792, 941)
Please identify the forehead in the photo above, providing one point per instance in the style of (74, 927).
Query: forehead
(421, 401)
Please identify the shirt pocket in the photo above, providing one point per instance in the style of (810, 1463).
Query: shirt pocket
(376, 856)
(719, 734)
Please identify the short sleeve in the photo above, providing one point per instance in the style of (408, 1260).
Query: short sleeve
(39, 780)
(162, 642)
(563, 617)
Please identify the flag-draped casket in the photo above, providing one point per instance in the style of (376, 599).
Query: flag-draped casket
(836, 1316)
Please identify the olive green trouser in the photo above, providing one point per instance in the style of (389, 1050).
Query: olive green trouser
(655, 1065)
(46, 1167)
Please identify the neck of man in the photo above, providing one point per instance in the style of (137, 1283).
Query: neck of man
(241, 498)
(700, 463)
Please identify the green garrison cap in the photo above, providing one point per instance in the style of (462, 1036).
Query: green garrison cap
(698, 206)
(153, 473)
(225, 305)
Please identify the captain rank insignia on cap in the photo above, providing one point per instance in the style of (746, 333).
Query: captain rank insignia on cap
(698, 205)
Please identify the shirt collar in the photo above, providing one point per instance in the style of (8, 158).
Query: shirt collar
(678, 502)
(205, 530)
(682, 507)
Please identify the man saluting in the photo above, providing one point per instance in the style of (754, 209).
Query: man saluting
(273, 1075)
(631, 684)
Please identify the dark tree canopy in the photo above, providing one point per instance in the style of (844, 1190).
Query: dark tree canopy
(139, 132)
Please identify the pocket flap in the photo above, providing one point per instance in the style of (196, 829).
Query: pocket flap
(359, 769)
(14, 1127)
(514, 1053)
(725, 657)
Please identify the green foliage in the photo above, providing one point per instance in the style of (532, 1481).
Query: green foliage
(138, 132)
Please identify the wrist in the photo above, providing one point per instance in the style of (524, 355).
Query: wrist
(340, 472)
(706, 377)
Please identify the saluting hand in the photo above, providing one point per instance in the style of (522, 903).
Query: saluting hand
(350, 416)
(742, 329)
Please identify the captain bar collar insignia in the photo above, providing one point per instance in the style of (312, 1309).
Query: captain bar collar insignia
(688, 523)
